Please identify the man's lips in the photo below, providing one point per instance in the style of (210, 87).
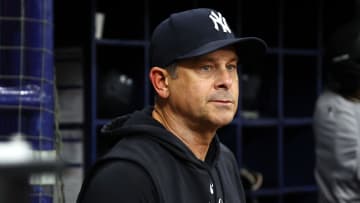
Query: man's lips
(222, 101)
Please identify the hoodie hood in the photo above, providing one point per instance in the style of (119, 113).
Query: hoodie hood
(141, 123)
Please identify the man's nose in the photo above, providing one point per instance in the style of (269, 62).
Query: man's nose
(224, 78)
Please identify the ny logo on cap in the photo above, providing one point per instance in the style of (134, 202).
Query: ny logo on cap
(219, 20)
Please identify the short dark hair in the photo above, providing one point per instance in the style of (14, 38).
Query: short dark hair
(172, 69)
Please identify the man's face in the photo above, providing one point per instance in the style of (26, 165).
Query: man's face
(206, 89)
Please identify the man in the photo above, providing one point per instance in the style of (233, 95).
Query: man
(170, 152)
(337, 121)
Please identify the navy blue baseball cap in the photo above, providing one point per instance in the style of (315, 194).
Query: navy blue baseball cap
(197, 32)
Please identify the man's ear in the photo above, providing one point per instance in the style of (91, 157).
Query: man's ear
(159, 79)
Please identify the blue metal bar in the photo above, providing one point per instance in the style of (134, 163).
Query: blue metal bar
(280, 97)
(120, 42)
(297, 121)
(93, 87)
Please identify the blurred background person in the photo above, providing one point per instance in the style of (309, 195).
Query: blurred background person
(337, 120)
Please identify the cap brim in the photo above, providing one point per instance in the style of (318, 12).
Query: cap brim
(249, 49)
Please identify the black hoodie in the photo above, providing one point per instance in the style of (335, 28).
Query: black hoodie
(149, 164)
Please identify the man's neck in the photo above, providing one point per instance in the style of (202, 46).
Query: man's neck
(197, 140)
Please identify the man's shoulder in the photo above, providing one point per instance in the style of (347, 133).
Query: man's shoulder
(331, 98)
(225, 149)
(117, 180)
(226, 154)
(134, 147)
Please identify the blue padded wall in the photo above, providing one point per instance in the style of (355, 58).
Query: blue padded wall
(27, 77)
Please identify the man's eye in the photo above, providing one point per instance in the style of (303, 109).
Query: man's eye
(231, 67)
(206, 68)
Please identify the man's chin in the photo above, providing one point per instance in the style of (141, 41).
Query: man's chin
(222, 121)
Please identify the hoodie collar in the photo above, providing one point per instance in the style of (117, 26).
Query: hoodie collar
(141, 123)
